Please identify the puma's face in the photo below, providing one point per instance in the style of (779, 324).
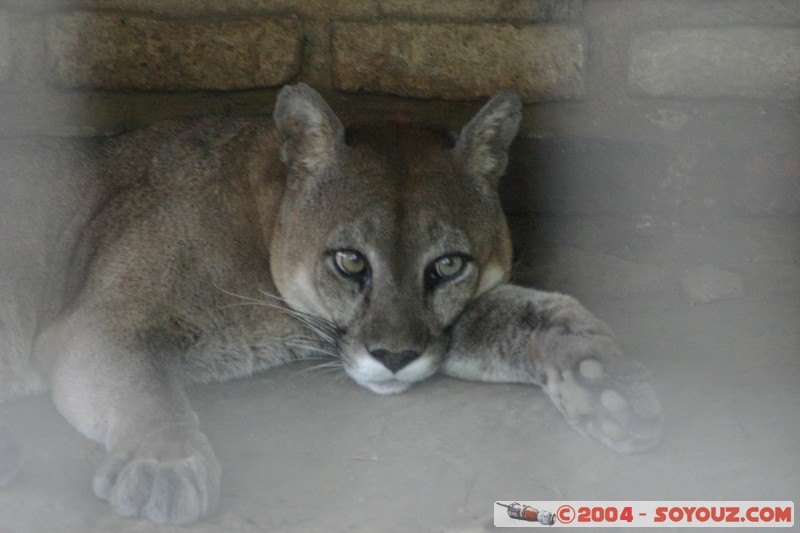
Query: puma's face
(405, 242)
(390, 235)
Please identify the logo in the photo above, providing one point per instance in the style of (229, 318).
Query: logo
(641, 514)
(527, 513)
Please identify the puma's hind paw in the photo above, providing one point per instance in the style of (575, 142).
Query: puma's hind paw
(165, 479)
(601, 392)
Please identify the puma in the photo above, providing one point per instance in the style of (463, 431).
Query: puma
(209, 249)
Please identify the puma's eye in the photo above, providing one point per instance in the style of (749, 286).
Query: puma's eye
(449, 267)
(350, 263)
(443, 269)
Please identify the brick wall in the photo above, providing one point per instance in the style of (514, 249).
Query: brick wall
(671, 105)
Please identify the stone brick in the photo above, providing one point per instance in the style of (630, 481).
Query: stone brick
(459, 61)
(101, 51)
(202, 8)
(6, 51)
(734, 61)
(470, 10)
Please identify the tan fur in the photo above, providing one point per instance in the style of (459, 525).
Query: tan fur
(204, 250)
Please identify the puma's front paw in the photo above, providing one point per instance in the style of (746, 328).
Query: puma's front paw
(169, 476)
(599, 391)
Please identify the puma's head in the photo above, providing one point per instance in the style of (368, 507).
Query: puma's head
(390, 232)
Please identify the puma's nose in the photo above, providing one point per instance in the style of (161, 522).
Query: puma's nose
(394, 361)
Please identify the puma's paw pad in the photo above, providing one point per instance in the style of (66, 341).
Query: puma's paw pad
(613, 403)
(161, 485)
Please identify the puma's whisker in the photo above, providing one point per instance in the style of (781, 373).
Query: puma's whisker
(318, 325)
(327, 367)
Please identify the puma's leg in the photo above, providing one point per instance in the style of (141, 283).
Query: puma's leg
(514, 334)
(17, 377)
(124, 390)
(10, 456)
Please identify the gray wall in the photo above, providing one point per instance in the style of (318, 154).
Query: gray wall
(655, 119)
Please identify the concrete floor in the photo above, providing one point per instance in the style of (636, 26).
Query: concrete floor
(307, 450)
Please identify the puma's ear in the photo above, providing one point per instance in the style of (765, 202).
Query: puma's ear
(311, 131)
(482, 146)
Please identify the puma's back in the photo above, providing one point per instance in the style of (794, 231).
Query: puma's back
(75, 212)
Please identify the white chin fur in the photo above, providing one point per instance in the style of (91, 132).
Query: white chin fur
(371, 374)
(385, 388)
